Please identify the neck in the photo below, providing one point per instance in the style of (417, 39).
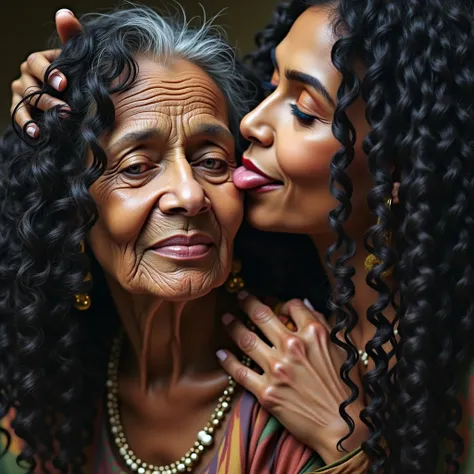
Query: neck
(364, 296)
(167, 341)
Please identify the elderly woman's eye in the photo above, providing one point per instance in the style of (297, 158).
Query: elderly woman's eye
(136, 169)
(213, 164)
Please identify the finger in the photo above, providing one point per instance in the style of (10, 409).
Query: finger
(303, 313)
(263, 317)
(28, 85)
(25, 85)
(298, 312)
(248, 341)
(37, 65)
(242, 374)
(67, 25)
(22, 117)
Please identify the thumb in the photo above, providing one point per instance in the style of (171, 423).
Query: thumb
(67, 25)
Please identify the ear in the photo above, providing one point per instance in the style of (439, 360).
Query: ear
(396, 187)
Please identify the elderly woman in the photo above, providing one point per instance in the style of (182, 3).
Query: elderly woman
(117, 232)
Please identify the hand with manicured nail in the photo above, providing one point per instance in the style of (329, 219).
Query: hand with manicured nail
(32, 76)
(299, 381)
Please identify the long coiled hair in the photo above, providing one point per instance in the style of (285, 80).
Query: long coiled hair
(53, 358)
(419, 93)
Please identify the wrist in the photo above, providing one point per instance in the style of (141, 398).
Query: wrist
(327, 448)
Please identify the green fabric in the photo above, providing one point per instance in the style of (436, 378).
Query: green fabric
(344, 459)
(8, 464)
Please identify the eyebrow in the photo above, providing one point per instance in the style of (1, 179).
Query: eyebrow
(298, 76)
(134, 137)
(208, 129)
(293, 75)
(214, 130)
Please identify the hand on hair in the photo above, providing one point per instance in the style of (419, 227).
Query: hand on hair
(299, 382)
(33, 71)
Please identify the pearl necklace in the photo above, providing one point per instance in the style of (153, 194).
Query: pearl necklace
(205, 437)
(364, 357)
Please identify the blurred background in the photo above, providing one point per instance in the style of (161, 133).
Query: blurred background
(27, 26)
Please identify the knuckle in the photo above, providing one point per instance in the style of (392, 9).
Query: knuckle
(295, 304)
(241, 375)
(31, 58)
(24, 68)
(16, 86)
(48, 102)
(314, 331)
(279, 370)
(262, 313)
(248, 341)
(295, 346)
(269, 398)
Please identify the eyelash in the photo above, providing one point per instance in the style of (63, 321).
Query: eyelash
(269, 87)
(127, 169)
(301, 115)
(218, 161)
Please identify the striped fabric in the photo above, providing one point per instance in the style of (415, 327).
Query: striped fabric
(254, 443)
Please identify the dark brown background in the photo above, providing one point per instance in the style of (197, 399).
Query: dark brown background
(27, 25)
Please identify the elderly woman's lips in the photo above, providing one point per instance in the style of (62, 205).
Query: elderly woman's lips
(184, 247)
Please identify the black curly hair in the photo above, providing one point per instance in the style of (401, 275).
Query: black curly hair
(52, 357)
(419, 93)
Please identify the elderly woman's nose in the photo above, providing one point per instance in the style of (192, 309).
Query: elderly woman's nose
(185, 195)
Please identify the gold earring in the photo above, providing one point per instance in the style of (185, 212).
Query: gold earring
(235, 282)
(82, 301)
(371, 261)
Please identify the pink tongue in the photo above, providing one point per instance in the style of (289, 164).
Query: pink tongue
(246, 179)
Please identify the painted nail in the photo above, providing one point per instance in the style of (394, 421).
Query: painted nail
(221, 355)
(227, 319)
(55, 81)
(66, 11)
(242, 295)
(31, 130)
(308, 304)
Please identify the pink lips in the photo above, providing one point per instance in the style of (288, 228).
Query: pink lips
(249, 177)
(184, 247)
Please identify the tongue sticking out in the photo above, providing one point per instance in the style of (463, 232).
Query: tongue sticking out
(246, 179)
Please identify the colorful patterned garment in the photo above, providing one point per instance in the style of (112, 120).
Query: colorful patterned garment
(254, 443)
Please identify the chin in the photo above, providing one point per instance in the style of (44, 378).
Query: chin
(178, 284)
(267, 221)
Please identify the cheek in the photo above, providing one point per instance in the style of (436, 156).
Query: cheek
(121, 218)
(305, 156)
(227, 204)
(122, 214)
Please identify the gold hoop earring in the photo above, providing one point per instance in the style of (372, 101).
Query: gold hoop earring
(82, 301)
(372, 261)
(235, 282)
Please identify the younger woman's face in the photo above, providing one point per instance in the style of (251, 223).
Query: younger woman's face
(286, 169)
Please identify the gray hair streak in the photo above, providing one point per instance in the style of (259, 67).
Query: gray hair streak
(142, 30)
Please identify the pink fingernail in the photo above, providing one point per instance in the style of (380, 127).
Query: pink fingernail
(65, 10)
(227, 319)
(31, 131)
(221, 355)
(55, 81)
(242, 295)
(308, 304)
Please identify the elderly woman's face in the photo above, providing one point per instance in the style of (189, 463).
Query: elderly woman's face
(168, 211)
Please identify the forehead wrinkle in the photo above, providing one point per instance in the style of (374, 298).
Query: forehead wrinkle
(154, 97)
(185, 85)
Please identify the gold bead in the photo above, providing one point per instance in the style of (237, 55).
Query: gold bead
(82, 301)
